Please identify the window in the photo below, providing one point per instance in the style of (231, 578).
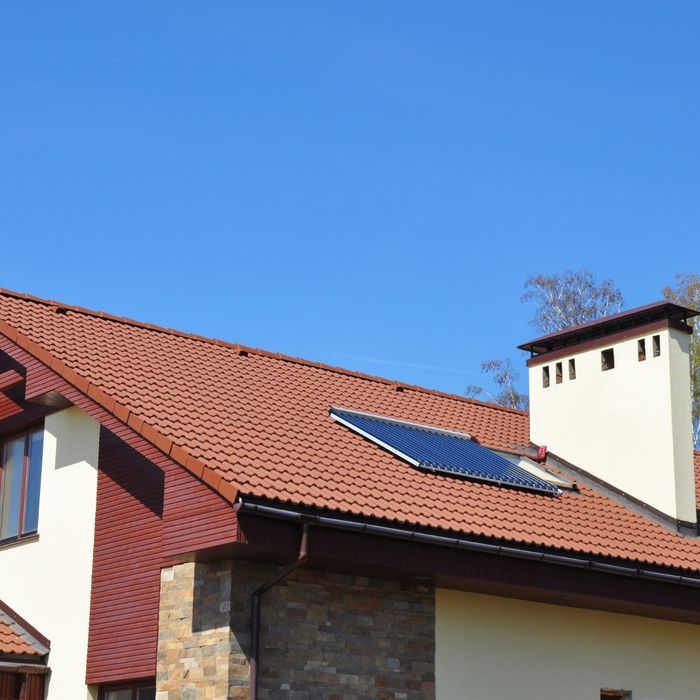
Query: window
(642, 350)
(607, 359)
(545, 377)
(615, 695)
(572, 369)
(559, 373)
(139, 691)
(20, 481)
(656, 344)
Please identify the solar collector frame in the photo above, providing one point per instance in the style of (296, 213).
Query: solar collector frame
(442, 451)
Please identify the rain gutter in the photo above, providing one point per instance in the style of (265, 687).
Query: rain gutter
(413, 535)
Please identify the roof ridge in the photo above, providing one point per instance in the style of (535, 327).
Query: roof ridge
(256, 351)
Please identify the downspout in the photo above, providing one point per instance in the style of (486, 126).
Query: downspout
(255, 609)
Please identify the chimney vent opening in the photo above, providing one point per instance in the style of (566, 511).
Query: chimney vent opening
(572, 369)
(559, 373)
(642, 350)
(656, 345)
(545, 377)
(607, 359)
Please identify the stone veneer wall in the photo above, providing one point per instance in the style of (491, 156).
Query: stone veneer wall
(324, 636)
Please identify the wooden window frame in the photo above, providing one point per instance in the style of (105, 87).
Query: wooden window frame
(133, 686)
(4, 439)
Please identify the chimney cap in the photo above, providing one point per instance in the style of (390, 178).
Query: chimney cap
(658, 311)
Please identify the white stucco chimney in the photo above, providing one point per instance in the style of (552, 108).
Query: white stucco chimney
(612, 398)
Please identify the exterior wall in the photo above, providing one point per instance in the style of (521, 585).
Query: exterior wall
(123, 611)
(126, 568)
(322, 635)
(195, 641)
(490, 648)
(49, 578)
(147, 507)
(629, 426)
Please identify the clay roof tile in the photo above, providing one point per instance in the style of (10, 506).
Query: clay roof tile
(257, 424)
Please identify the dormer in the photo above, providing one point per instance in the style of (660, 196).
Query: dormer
(612, 398)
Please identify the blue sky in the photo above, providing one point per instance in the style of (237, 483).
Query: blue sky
(363, 183)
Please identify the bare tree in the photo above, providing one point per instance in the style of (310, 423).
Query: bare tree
(561, 300)
(505, 377)
(569, 298)
(686, 292)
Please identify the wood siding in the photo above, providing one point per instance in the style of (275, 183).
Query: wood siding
(147, 506)
(126, 564)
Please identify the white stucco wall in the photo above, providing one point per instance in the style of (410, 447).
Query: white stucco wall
(48, 581)
(630, 425)
(490, 648)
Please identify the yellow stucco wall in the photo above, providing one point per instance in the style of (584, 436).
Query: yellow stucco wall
(491, 648)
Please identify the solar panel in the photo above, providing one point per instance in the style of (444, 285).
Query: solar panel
(438, 450)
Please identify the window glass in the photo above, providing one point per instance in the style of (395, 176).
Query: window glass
(124, 694)
(11, 487)
(132, 693)
(31, 498)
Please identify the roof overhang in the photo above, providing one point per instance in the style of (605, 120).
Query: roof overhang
(676, 315)
(366, 546)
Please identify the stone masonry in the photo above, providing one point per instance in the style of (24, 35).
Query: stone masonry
(194, 632)
(324, 636)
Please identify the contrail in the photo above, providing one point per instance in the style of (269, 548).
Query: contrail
(398, 363)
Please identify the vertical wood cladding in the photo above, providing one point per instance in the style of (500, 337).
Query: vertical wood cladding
(21, 686)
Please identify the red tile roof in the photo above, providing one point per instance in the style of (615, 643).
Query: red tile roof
(16, 638)
(258, 424)
(11, 642)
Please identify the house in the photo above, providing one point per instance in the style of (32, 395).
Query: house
(182, 517)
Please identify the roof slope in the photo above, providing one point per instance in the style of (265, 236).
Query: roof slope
(261, 421)
(17, 638)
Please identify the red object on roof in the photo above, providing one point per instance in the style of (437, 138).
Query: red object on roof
(256, 423)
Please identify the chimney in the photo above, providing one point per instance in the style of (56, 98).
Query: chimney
(612, 398)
